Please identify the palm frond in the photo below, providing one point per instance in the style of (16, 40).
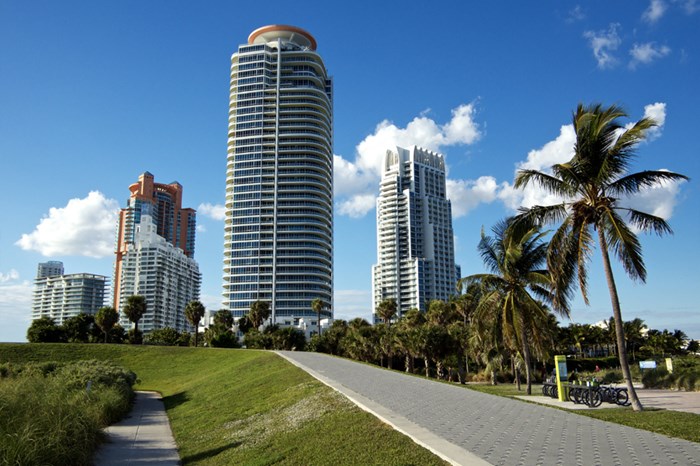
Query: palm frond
(487, 250)
(647, 222)
(584, 249)
(624, 244)
(540, 215)
(632, 184)
(561, 263)
(548, 182)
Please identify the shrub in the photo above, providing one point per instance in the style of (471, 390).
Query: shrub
(44, 330)
(49, 416)
(164, 337)
(611, 376)
(135, 337)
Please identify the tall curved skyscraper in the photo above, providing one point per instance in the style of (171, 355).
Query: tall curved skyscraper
(279, 177)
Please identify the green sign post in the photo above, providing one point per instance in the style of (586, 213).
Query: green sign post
(562, 377)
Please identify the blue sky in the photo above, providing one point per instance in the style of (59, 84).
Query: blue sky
(94, 93)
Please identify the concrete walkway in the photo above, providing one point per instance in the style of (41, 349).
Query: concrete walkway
(688, 402)
(470, 428)
(143, 438)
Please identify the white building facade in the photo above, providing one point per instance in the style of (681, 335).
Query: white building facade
(63, 296)
(279, 185)
(160, 272)
(415, 240)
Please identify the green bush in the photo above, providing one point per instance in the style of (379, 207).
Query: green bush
(590, 364)
(611, 376)
(50, 417)
(166, 337)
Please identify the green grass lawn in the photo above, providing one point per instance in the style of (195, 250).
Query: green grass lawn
(245, 406)
(672, 423)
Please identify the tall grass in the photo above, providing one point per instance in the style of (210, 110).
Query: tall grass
(49, 417)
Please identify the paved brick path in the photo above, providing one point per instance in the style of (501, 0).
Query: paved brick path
(495, 429)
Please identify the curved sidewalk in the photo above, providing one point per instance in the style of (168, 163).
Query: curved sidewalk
(467, 427)
(143, 438)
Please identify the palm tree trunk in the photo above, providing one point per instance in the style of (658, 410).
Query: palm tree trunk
(619, 329)
(407, 363)
(526, 355)
(427, 367)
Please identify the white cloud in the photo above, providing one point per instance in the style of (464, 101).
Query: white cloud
(576, 14)
(214, 211)
(211, 302)
(657, 112)
(356, 183)
(352, 303)
(16, 305)
(647, 53)
(84, 227)
(201, 228)
(11, 275)
(358, 205)
(557, 151)
(604, 44)
(654, 12)
(466, 195)
(690, 6)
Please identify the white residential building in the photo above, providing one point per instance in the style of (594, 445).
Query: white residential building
(415, 240)
(63, 296)
(279, 185)
(154, 268)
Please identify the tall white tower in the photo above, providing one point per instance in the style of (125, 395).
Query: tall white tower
(415, 240)
(279, 177)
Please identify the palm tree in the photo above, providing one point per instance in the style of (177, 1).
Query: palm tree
(135, 309)
(591, 185)
(465, 303)
(514, 257)
(317, 306)
(194, 311)
(106, 318)
(408, 339)
(634, 334)
(386, 310)
(578, 334)
(259, 311)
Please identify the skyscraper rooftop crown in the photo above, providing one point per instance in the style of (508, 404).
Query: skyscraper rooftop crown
(280, 31)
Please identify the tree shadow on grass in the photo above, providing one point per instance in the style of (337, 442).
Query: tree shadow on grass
(209, 453)
(175, 400)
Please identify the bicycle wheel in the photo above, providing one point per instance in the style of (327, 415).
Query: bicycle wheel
(575, 395)
(595, 399)
(622, 397)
